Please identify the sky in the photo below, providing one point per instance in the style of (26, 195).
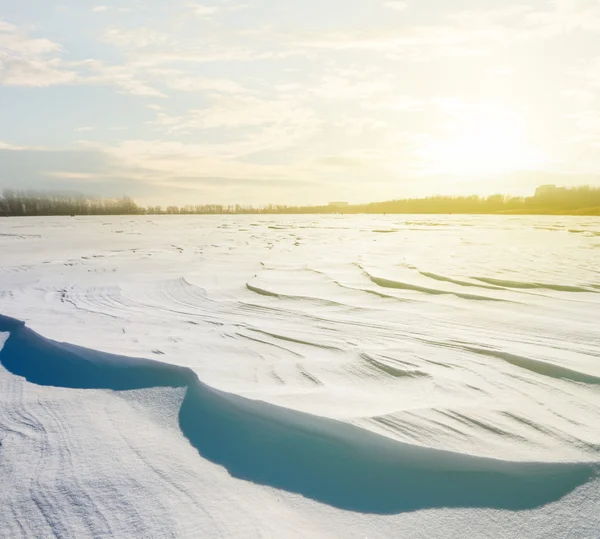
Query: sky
(280, 101)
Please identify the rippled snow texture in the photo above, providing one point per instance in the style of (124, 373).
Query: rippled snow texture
(474, 334)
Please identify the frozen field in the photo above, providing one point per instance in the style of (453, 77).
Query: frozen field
(319, 376)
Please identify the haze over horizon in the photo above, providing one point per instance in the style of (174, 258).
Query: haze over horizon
(298, 103)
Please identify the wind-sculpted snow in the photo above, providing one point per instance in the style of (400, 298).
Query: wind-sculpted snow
(325, 460)
(389, 283)
(518, 284)
(540, 367)
(49, 363)
(336, 376)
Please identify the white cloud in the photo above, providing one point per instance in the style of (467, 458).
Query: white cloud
(28, 61)
(580, 96)
(254, 124)
(589, 73)
(124, 77)
(190, 83)
(410, 43)
(162, 162)
(34, 72)
(147, 48)
(396, 5)
(587, 124)
(11, 147)
(204, 11)
(341, 86)
(68, 175)
(569, 15)
(247, 111)
(13, 39)
(347, 92)
(7, 146)
(463, 33)
(402, 103)
(135, 39)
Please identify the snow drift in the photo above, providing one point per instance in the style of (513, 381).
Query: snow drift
(324, 460)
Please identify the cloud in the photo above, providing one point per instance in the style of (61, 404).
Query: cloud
(587, 124)
(410, 43)
(11, 147)
(569, 15)
(190, 83)
(166, 169)
(396, 5)
(354, 160)
(580, 95)
(462, 33)
(204, 11)
(28, 61)
(13, 39)
(31, 167)
(252, 124)
(34, 72)
(36, 62)
(135, 39)
(174, 164)
(589, 73)
(67, 175)
(343, 86)
(124, 77)
(583, 83)
(345, 91)
(241, 111)
(146, 47)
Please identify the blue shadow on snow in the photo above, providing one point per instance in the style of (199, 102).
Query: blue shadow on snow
(325, 460)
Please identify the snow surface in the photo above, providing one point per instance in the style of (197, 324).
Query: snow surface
(312, 377)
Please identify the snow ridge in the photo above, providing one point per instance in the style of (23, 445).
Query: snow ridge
(328, 461)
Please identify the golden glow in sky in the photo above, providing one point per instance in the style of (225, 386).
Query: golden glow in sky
(482, 142)
(224, 101)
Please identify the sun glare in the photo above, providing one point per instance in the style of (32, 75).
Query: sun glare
(488, 141)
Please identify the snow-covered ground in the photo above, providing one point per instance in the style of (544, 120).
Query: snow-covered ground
(336, 376)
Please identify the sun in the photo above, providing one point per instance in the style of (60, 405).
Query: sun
(482, 141)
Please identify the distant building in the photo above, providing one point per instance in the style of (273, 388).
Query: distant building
(338, 204)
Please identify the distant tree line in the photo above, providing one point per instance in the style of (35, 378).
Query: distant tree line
(31, 203)
(548, 199)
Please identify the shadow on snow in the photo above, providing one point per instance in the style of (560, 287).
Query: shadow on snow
(325, 460)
